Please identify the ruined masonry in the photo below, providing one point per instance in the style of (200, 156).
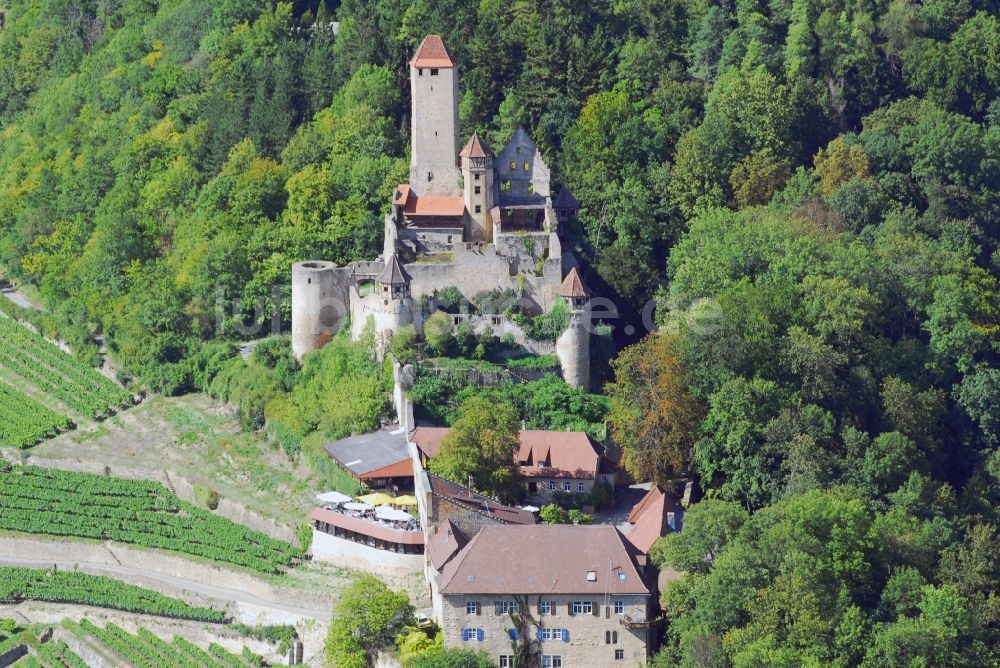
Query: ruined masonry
(468, 219)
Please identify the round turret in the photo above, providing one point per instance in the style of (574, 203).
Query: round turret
(316, 310)
(573, 346)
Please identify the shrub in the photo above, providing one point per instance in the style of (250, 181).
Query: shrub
(207, 497)
(580, 517)
(281, 635)
(450, 299)
(403, 345)
(305, 533)
(600, 495)
(554, 514)
(496, 301)
(549, 326)
(437, 332)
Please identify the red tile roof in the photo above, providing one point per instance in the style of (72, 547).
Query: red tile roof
(475, 148)
(358, 525)
(545, 559)
(573, 285)
(401, 469)
(444, 542)
(543, 454)
(428, 439)
(402, 194)
(432, 53)
(557, 454)
(649, 518)
(453, 207)
(479, 503)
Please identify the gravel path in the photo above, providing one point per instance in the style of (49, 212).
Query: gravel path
(17, 297)
(172, 582)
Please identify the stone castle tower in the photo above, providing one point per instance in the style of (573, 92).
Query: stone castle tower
(395, 307)
(316, 308)
(471, 219)
(434, 119)
(477, 178)
(573, 345)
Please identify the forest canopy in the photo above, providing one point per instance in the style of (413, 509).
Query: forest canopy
(809, 189)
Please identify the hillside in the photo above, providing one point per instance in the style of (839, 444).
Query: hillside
(804, 193)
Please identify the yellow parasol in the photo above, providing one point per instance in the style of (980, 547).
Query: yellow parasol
(376, 499)
(407, 500)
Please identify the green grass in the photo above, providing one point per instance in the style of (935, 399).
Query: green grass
(435, 258)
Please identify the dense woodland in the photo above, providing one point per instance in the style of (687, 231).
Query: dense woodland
(808, 189)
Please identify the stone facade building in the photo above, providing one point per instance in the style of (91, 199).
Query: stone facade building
(582, 594)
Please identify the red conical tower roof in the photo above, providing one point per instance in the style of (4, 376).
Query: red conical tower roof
(432, 53)
(573, 286)
(475, 148)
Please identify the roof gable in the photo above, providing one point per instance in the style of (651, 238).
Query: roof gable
(649, 518)
(432, 52)
(393, 273)
(573, 286)
(475, 148)
(545, 559)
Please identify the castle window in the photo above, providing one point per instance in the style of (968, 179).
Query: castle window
(506, 185)
(513, 164)
(434, 72)
(527, 166)
(531, 187)
(477, 177)
(479, 189)
(479, 209)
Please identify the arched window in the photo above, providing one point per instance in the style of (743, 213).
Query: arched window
(614, 637)
(607, 637)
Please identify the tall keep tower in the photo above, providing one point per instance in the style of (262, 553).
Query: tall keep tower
(573, 345)
(434, 130)
(477, 179)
